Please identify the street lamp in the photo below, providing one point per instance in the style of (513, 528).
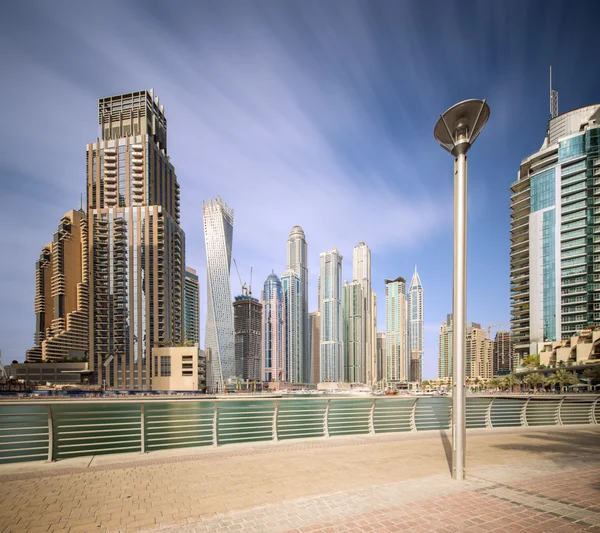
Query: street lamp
(456, 131)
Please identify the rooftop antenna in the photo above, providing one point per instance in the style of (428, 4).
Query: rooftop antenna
(80, 201)
(250, 286)
(553, 98)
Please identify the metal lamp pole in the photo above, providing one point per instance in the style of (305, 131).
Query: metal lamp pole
(456, 131)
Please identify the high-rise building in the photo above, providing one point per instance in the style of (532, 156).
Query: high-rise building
(503, 353)
(381, 360)
(445, 349)
(332, 349)
(315, 346)
(415, 328)
(291, 288)
(191, 307)
(219, 339)
(247, 320)
(554, 283)
(61, 293)
(297, 261)
(478, 353)
(395, 317)
(361, 271)
(136, 247)
(273, 330)
(353, 336)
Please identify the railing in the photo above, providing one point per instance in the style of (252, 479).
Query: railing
(38, 430)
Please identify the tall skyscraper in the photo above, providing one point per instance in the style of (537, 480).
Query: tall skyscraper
(332, 349)
(297, 261)
(247, 320)
(191, 307)
(554, 287)
(395, 311)
(415, 328)
(381, 360)
(353, 335)
(445, 349)
(291, 288)
(315, 346)
(273, 332)
(479, 351)
(361, 270)
(61, 293)
(136, 247)
(503, 353)
(219, 338)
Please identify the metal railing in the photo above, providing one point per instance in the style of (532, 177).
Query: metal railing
(38, 430)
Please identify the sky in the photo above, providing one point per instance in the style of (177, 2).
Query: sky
(311, 113)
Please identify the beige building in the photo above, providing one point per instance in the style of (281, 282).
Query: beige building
(583, 347)
(136, 246)
(178, 368)
(69, 373)
(479, 353)
(61, 293)
(445, 349)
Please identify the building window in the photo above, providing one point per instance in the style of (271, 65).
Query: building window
(542, 190)
(165, 366)
(571, 148)
(187, 373)
(187, 358)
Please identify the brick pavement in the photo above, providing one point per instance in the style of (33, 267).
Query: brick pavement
(530, 480)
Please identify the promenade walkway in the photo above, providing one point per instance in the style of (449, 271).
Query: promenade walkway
(519, 479)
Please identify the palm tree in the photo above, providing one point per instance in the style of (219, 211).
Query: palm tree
(494, 383)
(531, 361)
(591, 375)
(510, 381)
(564, 378)
(425, 384)
(533, 380)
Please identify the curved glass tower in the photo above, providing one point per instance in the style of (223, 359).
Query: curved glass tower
(297, 261)
(219, 339)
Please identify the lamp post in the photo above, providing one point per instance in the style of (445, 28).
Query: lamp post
(456, 131)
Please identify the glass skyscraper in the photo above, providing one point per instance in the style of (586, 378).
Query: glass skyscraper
(219, 339)
(395, 317)
(191, 307)
(291, 288)
(415, 328)
(354, 354)
(330, 294)
(445, 349)
(273, 330)
(555, 234)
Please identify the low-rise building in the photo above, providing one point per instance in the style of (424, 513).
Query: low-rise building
(55, 373)
(178, 368)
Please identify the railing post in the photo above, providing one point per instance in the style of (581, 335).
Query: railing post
(215, 424)
(557, 417)
(488, 415)
(143, 428)
(372, 418)
(326, 420)
(524, 413)
(593, 419)
(413, 423)
(275, 413)
(50, 434)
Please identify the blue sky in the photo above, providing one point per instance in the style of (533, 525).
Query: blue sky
(296, 112)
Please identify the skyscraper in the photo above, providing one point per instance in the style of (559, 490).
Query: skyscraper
(273, 332)
(61, 293)
(136, 247)
(361, 270)
(415, 328)
(381, 359)
(247, 320)
(315, 346)
(191, 307)
(219, 338)
(297, 261)
(445, 349)
(503, 353)
(479, 351)
(353, 313)
(395, 311)
(332, 350)
(291, 288)
(553, 234)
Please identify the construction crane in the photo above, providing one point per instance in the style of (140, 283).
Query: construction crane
(244, 289)
(489, 328)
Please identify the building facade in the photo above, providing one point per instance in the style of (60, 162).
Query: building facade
(191, 307)
(503, 353)
(297, 261)
(315, 346)
(332, 349)
(381, 359)
(273, 330)
(445, 349)
(291, 289)
(178, 368)
(395, 317)
(219, 337)
(61, 293)
(136, 246)
(555, 267)
(415, 328)
(361, 271)
(478, 353)
(247, 325)
(353, 305)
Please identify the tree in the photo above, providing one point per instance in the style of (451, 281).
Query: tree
(495, 383)
(591, 375)
(564, 378)
(534, 379)
(511, 381)
(425, 384)
(531, 361)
